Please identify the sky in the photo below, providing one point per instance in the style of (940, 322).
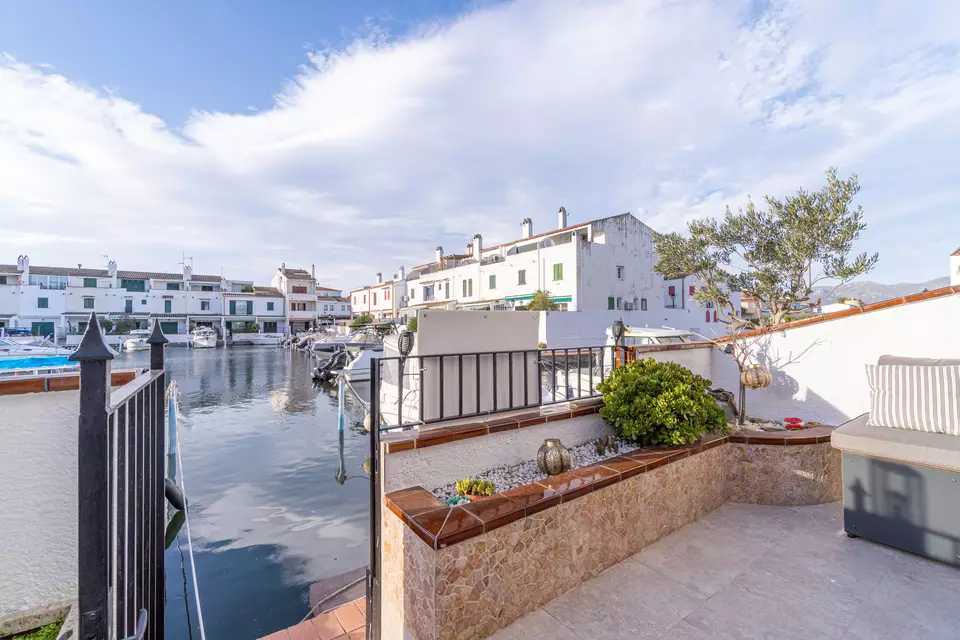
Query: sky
(358, 136)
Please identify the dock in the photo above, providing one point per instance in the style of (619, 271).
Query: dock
(346, 622)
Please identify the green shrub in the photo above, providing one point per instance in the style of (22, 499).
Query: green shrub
(468, 487)
(661, 402)
(361, 320)
(412, 324)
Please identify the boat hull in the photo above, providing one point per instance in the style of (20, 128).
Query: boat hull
(203, 343)
(131, 345)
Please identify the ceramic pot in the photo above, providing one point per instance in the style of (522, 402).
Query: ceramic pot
(553, 457)
(755, 377)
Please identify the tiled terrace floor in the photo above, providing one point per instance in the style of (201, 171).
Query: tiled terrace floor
(748, 572)
(346, 622)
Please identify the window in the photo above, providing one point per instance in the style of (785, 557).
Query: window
(619, 303)
(707, 311)
(611, 303)
(49, 282)
(299, 289)
(173, 286)
(88, 303)
(468, 287)
(522, 276)
(692, 290)
(43, 303)
(493, 282)
(144, 301)
(671, 290)
(643, 304)
(168, 306)
(364, 298)
(374, 298)
(270, 308)
(204, 305)
(446, 290)
(269, 327)
(128, 306)
(3, 279)
(558, 272)
(133, 285)
(89, 283)
(386, 294)
(206, 287)
(619, 272)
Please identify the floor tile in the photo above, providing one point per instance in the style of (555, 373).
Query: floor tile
(304, 631)
(279, 635)
(628, 601)
(327, 626)
(538, 624)
(349, 617)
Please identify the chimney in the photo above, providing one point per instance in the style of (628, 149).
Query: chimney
(526, 228)
(313, 272)
(24, 265)
(187, 272)
(379, 278)
(79, 266)
(562, 218)
(477, 246)
(440, 256)
(401, 274)
(112, 268)
(283, 268)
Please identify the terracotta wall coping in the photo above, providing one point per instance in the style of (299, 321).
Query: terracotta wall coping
(837, 315)
(57, 382)
(494, 423)
(440, 525)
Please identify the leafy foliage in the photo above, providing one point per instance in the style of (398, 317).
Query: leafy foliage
(412, 323)
(468, 487)
(106, 324)
(249, 327)
(540, 301)
(247, 289)
(661, 402)
(125, 324)
(46, 632)
(777, 256)
(361, 320)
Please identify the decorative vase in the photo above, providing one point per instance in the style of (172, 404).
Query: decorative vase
(553, 457)
(755, 377)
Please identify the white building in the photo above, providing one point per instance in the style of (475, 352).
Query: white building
(332, 306)
(704, 319)
(382, 301)
(299, 287)
(600, 264)
(955, 268)
(263, 306)
(57, 301)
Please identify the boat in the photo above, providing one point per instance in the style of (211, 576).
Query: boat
(257, 339)
(203, 338)
(357, 368)
(16, 348)
(640, 336)
(137, 340)
(364, 339)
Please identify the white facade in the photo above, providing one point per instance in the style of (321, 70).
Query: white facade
(703, 317)
(954, 269)
(382, 301)
(588, 266)
(264, 306)
(299, 287)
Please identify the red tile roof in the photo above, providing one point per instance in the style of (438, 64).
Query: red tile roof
(837, 315)
(267, 292)
(297, 274)
(319, 288)
(956, 253)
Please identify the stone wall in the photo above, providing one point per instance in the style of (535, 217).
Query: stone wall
(784, 475)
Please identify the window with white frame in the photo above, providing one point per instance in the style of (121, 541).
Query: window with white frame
(620, 271)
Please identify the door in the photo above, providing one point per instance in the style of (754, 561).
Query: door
(128, 306)
(269, 327)
(42, 329)
(169, 328)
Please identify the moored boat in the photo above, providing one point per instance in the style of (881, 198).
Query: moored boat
(203, 338)
(137, 340)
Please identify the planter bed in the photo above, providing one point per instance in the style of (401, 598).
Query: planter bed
(510, 477)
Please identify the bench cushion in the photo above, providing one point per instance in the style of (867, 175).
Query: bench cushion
(917, 397)
(903, 445)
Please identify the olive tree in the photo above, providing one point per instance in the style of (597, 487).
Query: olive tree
(540, 301)
(775, 254)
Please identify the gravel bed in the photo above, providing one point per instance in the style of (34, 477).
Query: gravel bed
(511, 477)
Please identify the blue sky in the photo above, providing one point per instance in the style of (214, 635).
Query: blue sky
(360, 135)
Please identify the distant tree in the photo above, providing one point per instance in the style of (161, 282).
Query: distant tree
(106, 324)
(125, 324)
(412, 323)
(248, 289)
(841, 299)
(777, 255)
(361, 320)
(540, 301)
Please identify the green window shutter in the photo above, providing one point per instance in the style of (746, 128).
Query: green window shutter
(173, 286)
(464, 288)
(90, 283)
(558, 271)
(168, 306)
(43, 303)
(611, 302)
(493, 282)
(3, 279)
(233, 307)
(88, 303)
(270, 308)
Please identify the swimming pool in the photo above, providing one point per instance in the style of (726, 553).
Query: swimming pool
(35, 362)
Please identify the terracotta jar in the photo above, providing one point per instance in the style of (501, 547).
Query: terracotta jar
(553, 457)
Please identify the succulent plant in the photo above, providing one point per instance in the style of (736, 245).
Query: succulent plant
(464, 486)
(468, 487)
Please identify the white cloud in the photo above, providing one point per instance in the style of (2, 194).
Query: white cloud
(374, 154)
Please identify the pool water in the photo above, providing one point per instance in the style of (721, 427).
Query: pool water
(35, 362)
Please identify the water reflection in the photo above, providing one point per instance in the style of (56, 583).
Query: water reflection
(262, 463)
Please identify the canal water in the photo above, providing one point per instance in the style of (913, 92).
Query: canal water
(268, 517)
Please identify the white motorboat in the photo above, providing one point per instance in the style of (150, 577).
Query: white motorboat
(11, 349)
(137, 340)
(203, 338)
(364, 338)
(258, 339)
(358, 367)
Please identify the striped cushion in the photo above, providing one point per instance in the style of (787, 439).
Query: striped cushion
(920, 398)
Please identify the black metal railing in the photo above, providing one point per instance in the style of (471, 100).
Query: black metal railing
(122, 512)
(433, 388)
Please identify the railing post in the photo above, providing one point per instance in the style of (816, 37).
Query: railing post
(93, 468)
(156, 342)
(373, 576)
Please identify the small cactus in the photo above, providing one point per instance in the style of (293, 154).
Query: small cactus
(464, 486)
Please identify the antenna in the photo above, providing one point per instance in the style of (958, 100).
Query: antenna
(184, 258)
